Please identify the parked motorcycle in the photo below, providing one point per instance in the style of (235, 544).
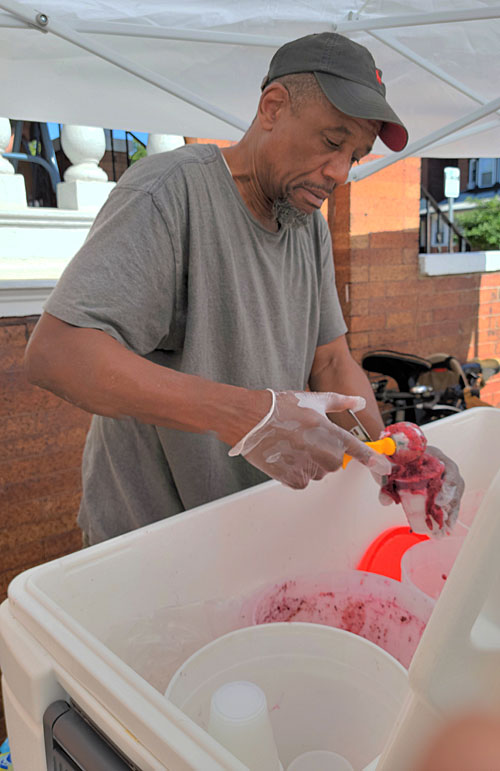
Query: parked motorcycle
(427, 388)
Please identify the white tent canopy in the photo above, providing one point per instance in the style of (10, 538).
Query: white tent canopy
(194, 67)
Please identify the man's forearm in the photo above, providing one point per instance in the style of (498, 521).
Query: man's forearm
(90, 369)
(340, 373)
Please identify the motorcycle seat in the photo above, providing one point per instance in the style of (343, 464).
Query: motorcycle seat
(404, 368)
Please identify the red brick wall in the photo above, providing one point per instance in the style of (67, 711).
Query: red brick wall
(42, 440)
(386, 302)
(486, 341)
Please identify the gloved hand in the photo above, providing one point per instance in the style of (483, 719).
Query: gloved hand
(434, 508)
(452, 488)
(296, 442)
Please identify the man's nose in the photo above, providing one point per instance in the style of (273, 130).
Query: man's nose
(337, 169)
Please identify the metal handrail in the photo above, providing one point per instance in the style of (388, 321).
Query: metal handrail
(44, 157)
(464, 245)
(53, 173)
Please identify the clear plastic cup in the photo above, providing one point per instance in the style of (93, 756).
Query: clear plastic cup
(239, 720)
(426, 566)
(320, 760)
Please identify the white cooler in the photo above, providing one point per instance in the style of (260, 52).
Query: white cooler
(97, 635)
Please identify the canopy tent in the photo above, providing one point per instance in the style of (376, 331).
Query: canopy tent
(194, 67)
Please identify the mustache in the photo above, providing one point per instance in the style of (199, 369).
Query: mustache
(315, 188)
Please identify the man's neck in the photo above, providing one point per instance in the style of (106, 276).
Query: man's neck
(241, 164)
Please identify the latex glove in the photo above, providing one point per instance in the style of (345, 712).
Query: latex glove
(296, 442)
(452, 489)
(422, 517)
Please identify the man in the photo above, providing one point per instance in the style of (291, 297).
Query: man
(203, 304)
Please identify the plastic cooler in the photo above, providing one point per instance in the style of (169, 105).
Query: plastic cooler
(91, 641)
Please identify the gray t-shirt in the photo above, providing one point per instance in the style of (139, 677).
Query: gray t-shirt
(177, 269)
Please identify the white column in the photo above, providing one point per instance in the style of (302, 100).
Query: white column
(86, 186)
(162, 143)
(12, 186)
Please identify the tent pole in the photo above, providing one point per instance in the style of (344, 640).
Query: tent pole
(45, 23)
(426, 65)
(414, 148)
(358, 24)
(239, 38)
(190, 35)
(361, 24)
(467, 132)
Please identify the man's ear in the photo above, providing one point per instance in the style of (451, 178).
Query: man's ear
(275, 100)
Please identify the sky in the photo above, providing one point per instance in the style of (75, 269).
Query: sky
(117, 134)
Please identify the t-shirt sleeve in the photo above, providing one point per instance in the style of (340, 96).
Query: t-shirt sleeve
(331, 321)
(123, 279)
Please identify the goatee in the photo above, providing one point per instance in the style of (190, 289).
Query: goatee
(288, 216)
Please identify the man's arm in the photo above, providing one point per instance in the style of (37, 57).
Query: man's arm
(334, 369)
(93, 371)
(90, 369)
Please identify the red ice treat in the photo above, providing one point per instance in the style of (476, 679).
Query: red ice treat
(415, 473)
(410, 441)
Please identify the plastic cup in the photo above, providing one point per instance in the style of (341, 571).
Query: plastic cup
(239, 720)
(320, 760)
(414, 490)
(426, 566)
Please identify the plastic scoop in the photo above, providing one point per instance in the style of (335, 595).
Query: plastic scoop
(385, 446)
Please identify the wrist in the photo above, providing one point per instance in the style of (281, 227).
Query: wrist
(244, 410)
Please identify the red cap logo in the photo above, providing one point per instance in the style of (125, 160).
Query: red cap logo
(378, 73)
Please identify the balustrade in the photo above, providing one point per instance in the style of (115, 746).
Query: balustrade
(12, 185)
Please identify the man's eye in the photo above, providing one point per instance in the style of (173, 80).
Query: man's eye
(332, 145)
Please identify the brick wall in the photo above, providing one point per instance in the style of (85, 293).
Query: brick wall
(385, 300)
(42, 441)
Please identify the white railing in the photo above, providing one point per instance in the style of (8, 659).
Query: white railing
(37, 243)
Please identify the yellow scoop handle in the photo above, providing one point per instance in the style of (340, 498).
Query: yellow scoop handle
(385, 446)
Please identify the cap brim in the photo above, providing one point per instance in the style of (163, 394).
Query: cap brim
(361, 101)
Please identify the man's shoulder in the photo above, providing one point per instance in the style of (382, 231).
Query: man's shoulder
(151, 173)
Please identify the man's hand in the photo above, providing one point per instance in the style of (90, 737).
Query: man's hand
(452, 489)
(428, 510)
(296, 442)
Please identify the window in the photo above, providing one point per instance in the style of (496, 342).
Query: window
(472, 182)
(487, 172)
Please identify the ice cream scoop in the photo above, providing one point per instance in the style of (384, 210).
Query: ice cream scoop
(410, 442)
(384, 446)
(404, 442)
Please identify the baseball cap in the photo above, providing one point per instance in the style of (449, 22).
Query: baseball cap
(348, 76)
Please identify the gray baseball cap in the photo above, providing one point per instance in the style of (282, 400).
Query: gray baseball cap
(348, 76)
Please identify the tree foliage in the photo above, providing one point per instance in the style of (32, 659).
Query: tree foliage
(140, 152)
(481, 225)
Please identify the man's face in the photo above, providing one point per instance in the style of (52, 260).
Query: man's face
(312, 151)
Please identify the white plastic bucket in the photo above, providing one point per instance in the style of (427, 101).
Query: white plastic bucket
(326, 689)
(380, 609)
(426, 566)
